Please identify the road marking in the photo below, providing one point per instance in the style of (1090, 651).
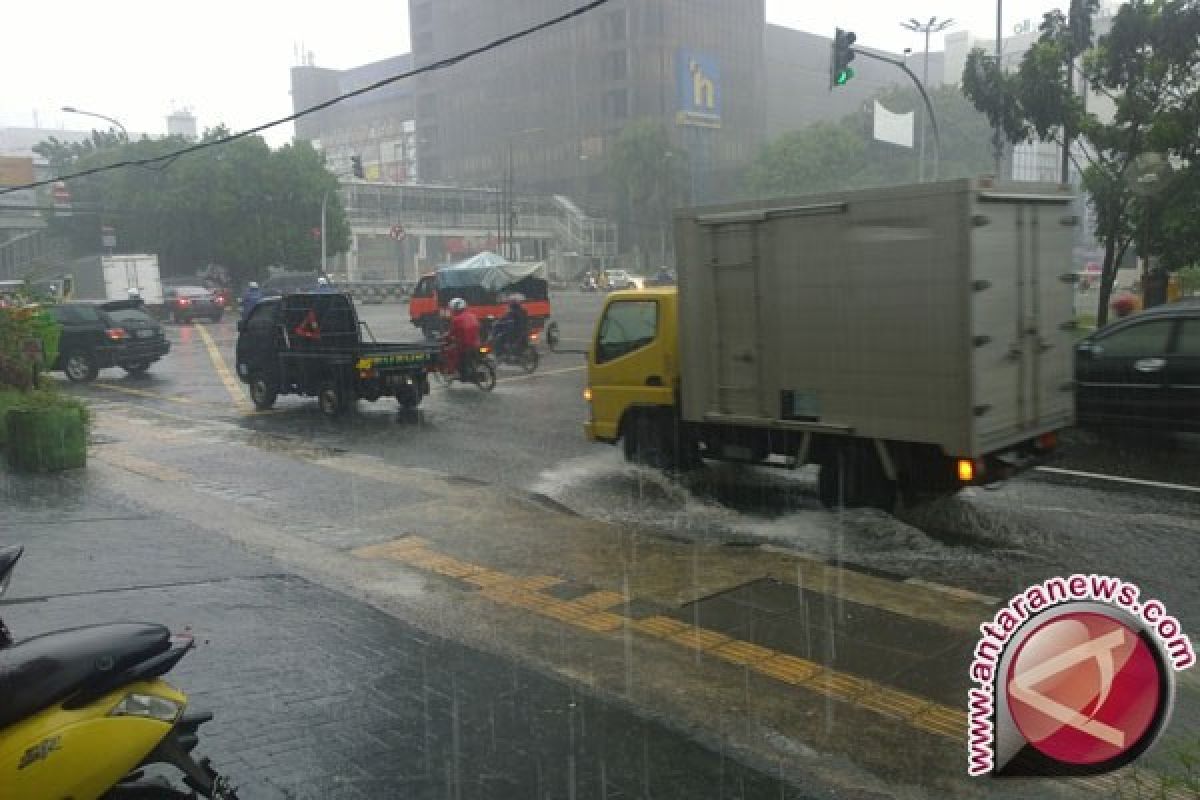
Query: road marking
(174, 398)
(587, 612)
(141, 466)
(231, 383)
(562, 371)
(1177, 487)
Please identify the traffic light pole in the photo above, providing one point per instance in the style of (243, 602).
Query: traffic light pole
(937, 136)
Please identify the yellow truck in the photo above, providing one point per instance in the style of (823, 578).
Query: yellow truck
(906, 340)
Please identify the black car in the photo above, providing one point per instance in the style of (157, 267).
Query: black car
(1143, 371)
(118, 334)
(186, 303)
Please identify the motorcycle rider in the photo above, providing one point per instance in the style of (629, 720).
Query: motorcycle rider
(324, 286)
(512, 330)
(135, 297)
(462, 342)
(250, 298)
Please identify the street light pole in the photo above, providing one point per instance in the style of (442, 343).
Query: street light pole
(324, 256)
(934, 25)
(73, 110)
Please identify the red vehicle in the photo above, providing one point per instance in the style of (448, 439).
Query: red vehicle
(486, 282)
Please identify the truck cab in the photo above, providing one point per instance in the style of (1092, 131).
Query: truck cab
(632, 369)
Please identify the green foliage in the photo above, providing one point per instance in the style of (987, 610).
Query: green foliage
(1144, 69)
(1189, 279)
(240, 204)
(46, 397)
(827, 156)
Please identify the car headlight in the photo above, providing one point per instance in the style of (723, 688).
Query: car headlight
(148, 706)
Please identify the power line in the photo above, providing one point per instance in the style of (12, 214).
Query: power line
(434, 67)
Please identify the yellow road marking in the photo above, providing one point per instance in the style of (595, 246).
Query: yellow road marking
(231, 383)
(140, 466)
(588, 612)
(174, 398)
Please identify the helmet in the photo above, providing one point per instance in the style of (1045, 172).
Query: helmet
(458, 305)
(252, 285)
(322, 281)
(134, 292)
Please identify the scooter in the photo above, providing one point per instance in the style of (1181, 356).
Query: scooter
(523, 355)
(84, 712)
(483, 370)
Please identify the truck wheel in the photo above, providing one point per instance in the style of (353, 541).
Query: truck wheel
(853, 477)
(263, 393)
(331, 400)
(408, 396)
(650, 440)
(80, 367)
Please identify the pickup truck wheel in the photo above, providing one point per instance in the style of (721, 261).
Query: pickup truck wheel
(80, 367)
(263, 393)
(408, 396)
(331, 400)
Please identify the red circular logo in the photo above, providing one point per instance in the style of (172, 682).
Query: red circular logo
(1084, 688)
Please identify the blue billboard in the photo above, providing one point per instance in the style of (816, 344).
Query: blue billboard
(698, 89)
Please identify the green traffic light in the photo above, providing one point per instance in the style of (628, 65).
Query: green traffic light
(844, 76)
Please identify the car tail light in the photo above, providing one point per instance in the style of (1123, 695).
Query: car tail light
(533, 337)
(183, 301)
(966, 470)
(485, 349)
(116, 334)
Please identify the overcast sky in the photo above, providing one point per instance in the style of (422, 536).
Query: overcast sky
(228, 61)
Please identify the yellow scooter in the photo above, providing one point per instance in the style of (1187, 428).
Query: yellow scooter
(84, 714)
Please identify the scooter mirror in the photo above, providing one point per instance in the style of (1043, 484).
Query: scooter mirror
(8, 560)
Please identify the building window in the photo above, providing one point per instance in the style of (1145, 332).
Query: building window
(422, 14)
(614, 26)
(616, 66)
(616, 104)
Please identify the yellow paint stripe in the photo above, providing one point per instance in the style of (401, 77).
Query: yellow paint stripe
(140, 466)
(174, 398)
(589, 613)
(231, 383)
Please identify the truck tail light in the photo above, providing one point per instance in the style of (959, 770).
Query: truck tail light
(533, 337)
(966, 470)
(116, 334)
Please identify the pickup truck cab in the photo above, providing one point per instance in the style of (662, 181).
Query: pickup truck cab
(311, 344)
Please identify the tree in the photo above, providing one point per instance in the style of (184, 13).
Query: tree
(648, 175)
(240, 204)
(826, 156)
(1145, 68)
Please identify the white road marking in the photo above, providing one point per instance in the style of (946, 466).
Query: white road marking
(1178, 487)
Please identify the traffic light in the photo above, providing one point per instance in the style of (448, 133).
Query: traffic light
(356, 166)
(840, 71)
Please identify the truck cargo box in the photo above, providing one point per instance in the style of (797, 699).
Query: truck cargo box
(937, 313)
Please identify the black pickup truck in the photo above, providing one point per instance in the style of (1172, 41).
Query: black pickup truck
(311, 343)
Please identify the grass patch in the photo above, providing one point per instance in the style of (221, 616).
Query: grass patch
(37, 398)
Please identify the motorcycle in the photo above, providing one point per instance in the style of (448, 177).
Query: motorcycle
(482, 371)
(521, 354)
(86, 712)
